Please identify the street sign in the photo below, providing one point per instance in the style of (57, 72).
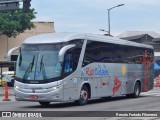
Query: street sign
(9, 4)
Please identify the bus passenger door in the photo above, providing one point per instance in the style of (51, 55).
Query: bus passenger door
(70, 92)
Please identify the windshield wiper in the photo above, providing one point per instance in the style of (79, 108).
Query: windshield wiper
(20, 57)
(41, 63)
(29, 68)
(42, 68)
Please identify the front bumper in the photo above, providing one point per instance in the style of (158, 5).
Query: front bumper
(52, 96)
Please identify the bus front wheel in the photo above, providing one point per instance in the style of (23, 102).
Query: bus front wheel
(84, 95)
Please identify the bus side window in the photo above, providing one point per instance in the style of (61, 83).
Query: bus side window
(68, 63)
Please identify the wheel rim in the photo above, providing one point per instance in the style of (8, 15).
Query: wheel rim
(84, 95)
(137, 90)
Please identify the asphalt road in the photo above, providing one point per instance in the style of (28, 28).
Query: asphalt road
(149, 101)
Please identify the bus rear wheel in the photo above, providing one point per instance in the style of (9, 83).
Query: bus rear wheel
(84, 95)
(44, 103)
(137, 91)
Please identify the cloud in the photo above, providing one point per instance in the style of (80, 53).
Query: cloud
(45, 18)
(70, 24)
(114, 2)
(129, 4)
(91, 15)
(144, 2)
(74, 27)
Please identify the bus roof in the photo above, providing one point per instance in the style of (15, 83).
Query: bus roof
(65, 37)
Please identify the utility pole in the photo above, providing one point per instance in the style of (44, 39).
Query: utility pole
(109, 16)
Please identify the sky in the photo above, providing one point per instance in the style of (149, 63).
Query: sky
(88, 16)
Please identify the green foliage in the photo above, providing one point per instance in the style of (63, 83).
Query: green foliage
(15, 22)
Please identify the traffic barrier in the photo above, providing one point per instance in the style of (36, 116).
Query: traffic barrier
(157, 82)
(6, 93)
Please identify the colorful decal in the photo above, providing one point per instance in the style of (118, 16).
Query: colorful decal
(98, 71)
(123, 69)
(101, 71)
(86, 79)
(146, 60)
(82, 72)
(104, 84)
(90, 71)
(117, 85)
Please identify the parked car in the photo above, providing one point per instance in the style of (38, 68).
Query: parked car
(2, 82)
(8, 76)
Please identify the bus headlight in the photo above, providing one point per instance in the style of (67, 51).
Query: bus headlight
(57, 87)
(17, 87)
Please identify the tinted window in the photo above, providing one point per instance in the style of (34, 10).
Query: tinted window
(113, 53)
(72, 56)
(103, 52)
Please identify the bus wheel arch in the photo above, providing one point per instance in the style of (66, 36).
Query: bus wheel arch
(89, 89)
(139, 82)
(85, 94)
(136, 90)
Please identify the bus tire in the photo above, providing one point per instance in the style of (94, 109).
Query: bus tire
(44, 103)
(137, 91)
(84, 95)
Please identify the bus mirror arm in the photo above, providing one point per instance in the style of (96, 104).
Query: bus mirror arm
(10, 53)
(63, 50)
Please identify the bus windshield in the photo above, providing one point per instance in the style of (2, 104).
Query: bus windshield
(39, 62)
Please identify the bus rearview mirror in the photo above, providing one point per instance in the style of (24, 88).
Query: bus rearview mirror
(10, 53)
(63, 50)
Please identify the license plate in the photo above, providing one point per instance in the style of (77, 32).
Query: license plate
(33, 97)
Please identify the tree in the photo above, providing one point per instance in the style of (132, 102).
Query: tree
(15, 22)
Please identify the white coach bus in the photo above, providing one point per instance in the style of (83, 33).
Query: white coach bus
(59, 67)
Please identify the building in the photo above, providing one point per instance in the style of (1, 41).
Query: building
(156, 44)
(135, 33)
(145, 37)
(8, 43)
